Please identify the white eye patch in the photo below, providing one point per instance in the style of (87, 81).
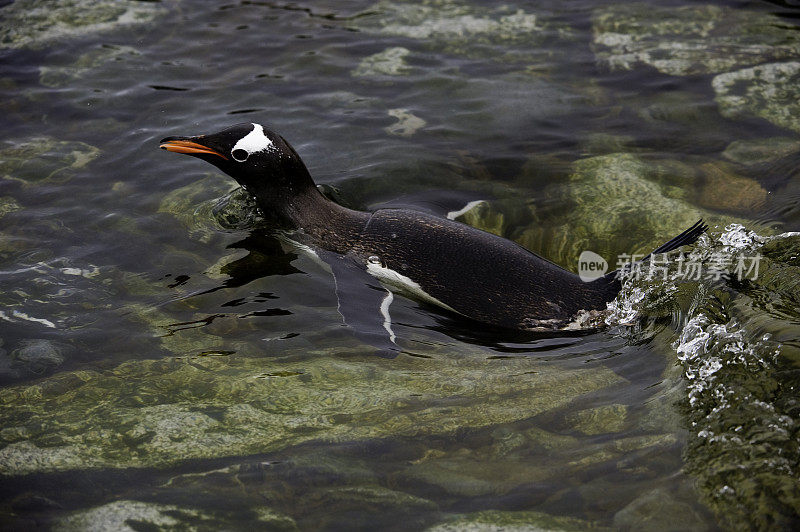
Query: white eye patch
(251, 143)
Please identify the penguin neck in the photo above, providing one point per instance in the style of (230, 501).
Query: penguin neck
(329, 224)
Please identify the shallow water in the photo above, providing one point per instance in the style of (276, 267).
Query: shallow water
(165, 361)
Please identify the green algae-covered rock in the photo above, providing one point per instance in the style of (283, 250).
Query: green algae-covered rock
(761, 151)
(120, 515)
(599, 420)
(508, 102)
(131, 515)
(38, 355)
(740, 398)
(407, 123)
(194, 204)
(523, 521)
(455, 22)
(52, 76)
(623, 204)
(678, 107)
(658, 510)
(500, 31)
(504, 459)
(42, 159)
(367, 504)
(770, 91)
(696, 39)
(390, 62)
(39, 23)
(738, 401)
(157, 413)
(7, 205)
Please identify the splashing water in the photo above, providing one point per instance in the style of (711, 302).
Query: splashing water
(740, 401)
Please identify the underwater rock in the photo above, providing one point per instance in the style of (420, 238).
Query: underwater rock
(155, 413)
(235, 210)
(25, 457)
(515, 460)
(508, 102)
(52, 76)
(466, 29)
(274, 521)
(761, 151)
(130, 516)
(407, 123)
(720, 188)
(193, 205)
(737, 355)
(600, 143)
(622, 204)
(599, 420)
(39, 23)
(658, 510)
(7, 205)
(485, 217)
(390, 62)
(679, 107)
(445, 20)
(43, 159)
(522, 521)
(367, 503)
(770, 91)
(38, 356)
(688, 40)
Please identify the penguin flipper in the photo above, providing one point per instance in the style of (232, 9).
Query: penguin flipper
(363, 303)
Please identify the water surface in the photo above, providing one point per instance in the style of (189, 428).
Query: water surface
(165, 361)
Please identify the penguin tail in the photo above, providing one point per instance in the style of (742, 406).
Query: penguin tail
(689, 236)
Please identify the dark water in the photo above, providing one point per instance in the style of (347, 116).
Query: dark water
(167, 362)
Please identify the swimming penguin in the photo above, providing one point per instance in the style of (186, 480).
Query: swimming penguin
(430, 258)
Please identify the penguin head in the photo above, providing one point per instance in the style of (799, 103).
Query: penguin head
(259, 159)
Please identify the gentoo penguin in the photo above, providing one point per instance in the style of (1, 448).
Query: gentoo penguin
(433, 259)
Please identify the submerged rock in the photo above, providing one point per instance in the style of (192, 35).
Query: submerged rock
(8, 205)
(658, 510)
(719, 187)
(697, 39)
(761, 151)
(770, 91)
(508, 102)
(39, 23)
(737, 355)
(52, 76)
(599, 420)
(158, 413)
(625, 204)
(38, 356)
(198, 205)
(407, 123)
(523, 521)
(390, 62)
(446, 20)
(43, 159)
(466, 29)
(130, 516)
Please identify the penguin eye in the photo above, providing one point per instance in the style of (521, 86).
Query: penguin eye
(240, 155)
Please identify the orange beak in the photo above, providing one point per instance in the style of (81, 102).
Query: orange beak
(189, 147)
